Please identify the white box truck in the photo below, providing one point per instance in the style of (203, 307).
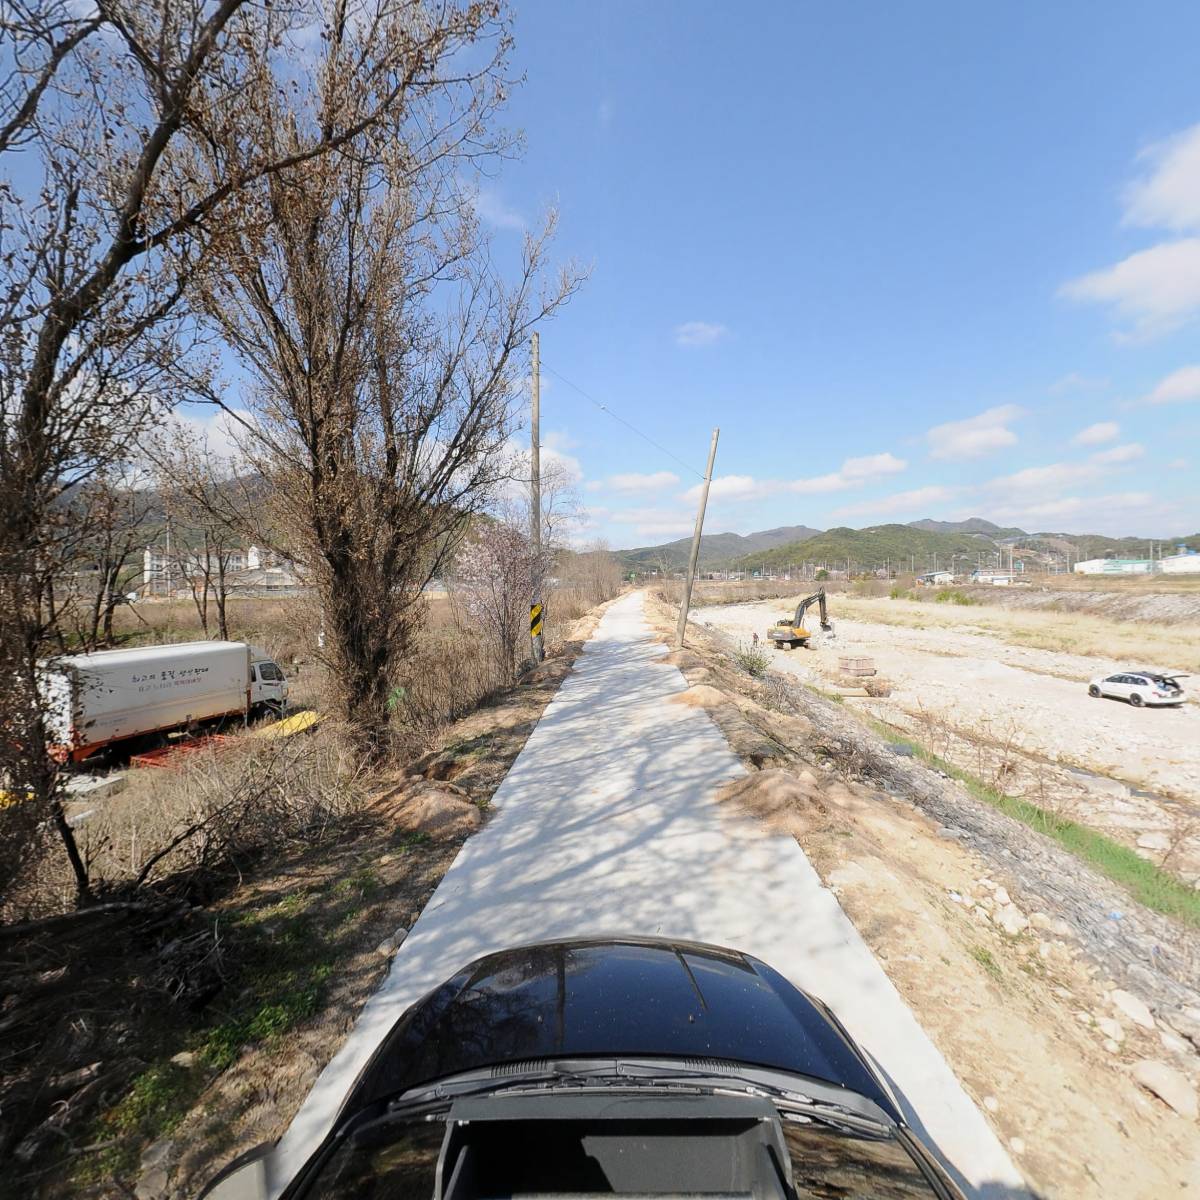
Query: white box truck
(93, 701)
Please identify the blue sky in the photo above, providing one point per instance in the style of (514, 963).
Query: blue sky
(914, 260)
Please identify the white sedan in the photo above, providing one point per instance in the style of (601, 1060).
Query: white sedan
(1139, 687)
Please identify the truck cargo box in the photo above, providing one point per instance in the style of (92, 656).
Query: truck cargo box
(94, 699)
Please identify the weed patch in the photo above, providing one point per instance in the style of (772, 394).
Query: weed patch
(753, 660)
(954, 596)
(983, 956)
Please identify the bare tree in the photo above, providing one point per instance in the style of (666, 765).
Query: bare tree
(383, 349)
(148, 135)
(113, 524)
(597, 572)
(209, 505)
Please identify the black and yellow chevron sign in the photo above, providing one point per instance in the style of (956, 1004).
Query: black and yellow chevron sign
(535, 620)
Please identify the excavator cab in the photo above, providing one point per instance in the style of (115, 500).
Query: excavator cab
(788, 634)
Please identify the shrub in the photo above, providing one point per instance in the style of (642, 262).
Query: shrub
(752, 659)
(221, 805)
(954, 596)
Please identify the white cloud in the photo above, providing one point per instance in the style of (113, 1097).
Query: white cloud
(1157, 290)
(1168, 195)
(1178, 387)
(1048, 481)
(1097, 435)
(1178, 464)
(634, 482)
(974, 436)
(1110, 513)
(219, 431)
(1119, 454)
(656, 522)
(854, 472)
(917, 500)
(1075, 382)
(492, 210)
(699, 333)
(733, 487)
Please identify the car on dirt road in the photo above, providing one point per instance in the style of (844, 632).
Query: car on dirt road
(637, 1067)
(1139, 687)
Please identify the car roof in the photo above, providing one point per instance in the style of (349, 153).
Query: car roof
(624, 997)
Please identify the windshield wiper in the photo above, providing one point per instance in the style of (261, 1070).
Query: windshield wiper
(631, 1076)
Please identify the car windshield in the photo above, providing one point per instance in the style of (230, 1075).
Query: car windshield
(398, 1160)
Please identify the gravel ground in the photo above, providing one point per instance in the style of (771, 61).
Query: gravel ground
(974, 680)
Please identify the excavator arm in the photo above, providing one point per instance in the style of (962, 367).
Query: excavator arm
(818, 598)
(787, 635)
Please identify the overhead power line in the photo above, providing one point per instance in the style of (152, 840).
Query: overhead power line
(617, 417)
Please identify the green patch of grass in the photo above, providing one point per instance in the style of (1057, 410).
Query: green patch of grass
(363, 882)
(156, 1101)
(413, 840)
(284, 954)
(983, 956)
(1148, 884)
(954, 596)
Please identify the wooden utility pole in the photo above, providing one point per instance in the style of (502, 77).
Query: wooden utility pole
(694, 557)
(535, 502)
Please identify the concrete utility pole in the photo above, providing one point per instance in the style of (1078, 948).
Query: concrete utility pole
(535, 500)
(694, 557)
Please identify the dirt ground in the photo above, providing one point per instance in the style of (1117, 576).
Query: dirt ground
(1134, 774)
(1029, 1020)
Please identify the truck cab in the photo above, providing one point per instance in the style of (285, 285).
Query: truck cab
(268, 686)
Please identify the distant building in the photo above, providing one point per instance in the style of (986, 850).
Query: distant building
(935, 577)
(995, 578)
(251, 572)
(1185, 563)
(1114, 566)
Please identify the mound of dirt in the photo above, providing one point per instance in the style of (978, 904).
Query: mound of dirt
(783, 801)
(685, 660)
(437, 809)
(701, 696)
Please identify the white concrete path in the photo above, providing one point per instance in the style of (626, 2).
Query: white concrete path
(606, 824)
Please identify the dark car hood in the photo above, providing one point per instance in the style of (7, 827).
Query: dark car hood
(625, 998)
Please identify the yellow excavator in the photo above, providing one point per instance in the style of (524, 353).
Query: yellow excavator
(787, 634)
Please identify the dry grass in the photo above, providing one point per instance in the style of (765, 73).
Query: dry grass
(286, 628)
(1166, 646)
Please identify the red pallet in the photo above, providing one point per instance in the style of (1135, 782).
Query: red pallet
(169, 756)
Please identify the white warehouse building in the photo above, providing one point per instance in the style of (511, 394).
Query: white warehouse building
(1187, 563)
(1114, 566)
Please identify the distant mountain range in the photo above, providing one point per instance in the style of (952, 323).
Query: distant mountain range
(915, 544)
(716, 549)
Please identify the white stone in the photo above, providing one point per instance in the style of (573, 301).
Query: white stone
(1039, 920)
(1012, 920)
(1186, 1021)
(991, 1104)
(1001, 896)
(1174, 1043)
(1111, 1029)
(392, 943)
(1172, 1087)
(1111, 1046)
(1154, 841)
(1133, 1008)
(1017, 1145)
